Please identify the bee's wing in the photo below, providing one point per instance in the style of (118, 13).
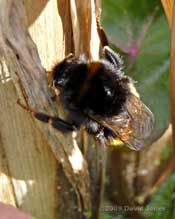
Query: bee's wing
(133, 125)
(142, 117)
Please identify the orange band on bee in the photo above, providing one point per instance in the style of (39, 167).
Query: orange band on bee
(93, 69)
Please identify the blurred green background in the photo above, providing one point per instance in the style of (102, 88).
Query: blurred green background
(139, 31)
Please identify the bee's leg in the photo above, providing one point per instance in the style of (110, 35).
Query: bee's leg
(110, 55)
(96, 130)
(54, 97)
(92, 127)
(55, 122)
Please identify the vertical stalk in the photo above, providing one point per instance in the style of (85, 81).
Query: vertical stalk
(172, 73)
(168, 7)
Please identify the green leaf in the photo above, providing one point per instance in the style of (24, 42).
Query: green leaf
(140, 32)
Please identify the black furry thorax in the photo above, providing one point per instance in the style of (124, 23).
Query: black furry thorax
(91, 86)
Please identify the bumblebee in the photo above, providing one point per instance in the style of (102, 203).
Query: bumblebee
(99, 97)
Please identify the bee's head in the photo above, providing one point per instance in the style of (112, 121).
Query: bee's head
(57, 78)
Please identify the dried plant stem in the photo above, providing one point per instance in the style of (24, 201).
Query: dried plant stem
(172, 74)
(168, 170)
(168, 7)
